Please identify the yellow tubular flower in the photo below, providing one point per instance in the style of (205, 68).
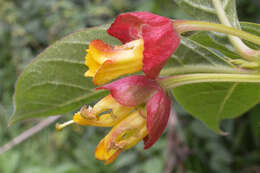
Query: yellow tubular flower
(123, 136)
(137, 108)
(129, 126)
(107, 62)
(107, 112)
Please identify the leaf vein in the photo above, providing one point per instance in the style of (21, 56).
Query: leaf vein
(203, 7)
(76, 42)
(62, 60)
(77, 99)
(56, 83)
(222, 105)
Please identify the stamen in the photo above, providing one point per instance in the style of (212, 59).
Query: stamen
(59, 127)
(88, 113)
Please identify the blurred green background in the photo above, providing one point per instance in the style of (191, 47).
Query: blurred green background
(29, 26)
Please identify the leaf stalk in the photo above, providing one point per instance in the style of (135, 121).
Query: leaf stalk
(180, 80)
(244, 51)
(182, 26)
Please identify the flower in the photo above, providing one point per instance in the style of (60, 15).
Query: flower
(123, 136)
(114, 113)
(137, 90)
(137, 108)
(107, 62)
(148, 41)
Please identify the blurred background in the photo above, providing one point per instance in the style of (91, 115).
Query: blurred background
(29, 26)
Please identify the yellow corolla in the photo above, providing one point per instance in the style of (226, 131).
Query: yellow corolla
(106, 62)
(105, 113)
(129, 126)
(123, 136)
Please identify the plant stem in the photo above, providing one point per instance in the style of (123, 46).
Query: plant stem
(179, 80)
(28, 133)
(188, 69)
(246, 52)
(182, 26)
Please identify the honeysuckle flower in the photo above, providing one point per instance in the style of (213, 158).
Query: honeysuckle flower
(137, 90)
(107, 62)
(95, 116)
(148, 41)
(137, 108)
(123, 136)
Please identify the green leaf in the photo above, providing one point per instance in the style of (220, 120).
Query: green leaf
(53, 83)
(252, 28)
(212, 102)
(209, 102)
(216, 42)
(221, 43)
(192, 57)
(204, 10)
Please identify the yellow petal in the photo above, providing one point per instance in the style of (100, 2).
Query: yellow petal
(107, 62)
(102, 154)
(107, 112)
(123, 136)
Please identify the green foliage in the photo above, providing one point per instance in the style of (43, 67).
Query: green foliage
(47, 86)
(220, 42)
(193, 57)
(236, 152)
(204, 10)
(72, 151)
(253, 28)
(211, 102)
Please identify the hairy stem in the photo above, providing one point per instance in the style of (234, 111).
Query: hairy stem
(179, 80)
(188, 69)
(182, 26)
(244, 51)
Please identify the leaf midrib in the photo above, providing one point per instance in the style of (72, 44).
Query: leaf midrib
(205, 8)
(77, 99)
(226, 98)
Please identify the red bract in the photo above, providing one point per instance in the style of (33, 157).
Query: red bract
(136, 90)
(131, 91)
(160, 39)
(158, 111)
